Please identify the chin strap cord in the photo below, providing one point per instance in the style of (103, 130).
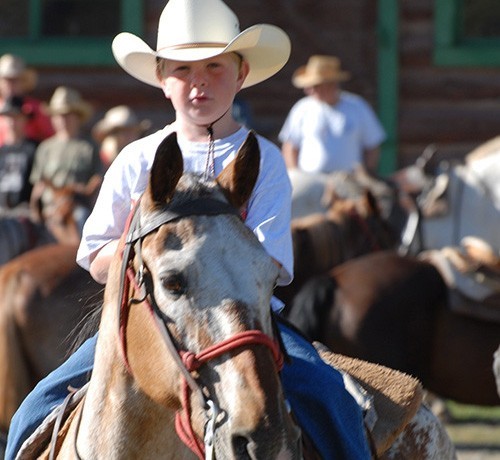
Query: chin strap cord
(210, 164)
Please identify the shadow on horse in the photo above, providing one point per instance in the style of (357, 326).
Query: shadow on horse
(56, 219)
(187, 361)
(394, 310)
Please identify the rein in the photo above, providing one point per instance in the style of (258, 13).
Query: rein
(186, 361)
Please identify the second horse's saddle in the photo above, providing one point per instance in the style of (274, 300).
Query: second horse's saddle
(472, 274)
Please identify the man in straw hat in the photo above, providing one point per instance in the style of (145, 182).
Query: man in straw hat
(202, 61)
(330, 129)
(16, 79)
(119, 127)
(67, 157)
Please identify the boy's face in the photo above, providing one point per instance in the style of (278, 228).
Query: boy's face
(202, 91)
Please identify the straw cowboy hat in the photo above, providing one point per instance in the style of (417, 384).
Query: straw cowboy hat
(192, 30)
(68, 100)
(319, 69)
(118, 117)
(14, 67)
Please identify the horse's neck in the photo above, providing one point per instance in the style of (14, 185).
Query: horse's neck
(115, 418)
(115, 411)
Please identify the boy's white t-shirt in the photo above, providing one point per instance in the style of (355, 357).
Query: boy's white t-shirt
(269, 208)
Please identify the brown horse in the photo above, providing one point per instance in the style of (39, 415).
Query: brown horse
(42, 301)
(349, 228)
(186, 346)
(189, 301)
(393, 310)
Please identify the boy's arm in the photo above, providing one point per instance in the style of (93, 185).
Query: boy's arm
(99, 265)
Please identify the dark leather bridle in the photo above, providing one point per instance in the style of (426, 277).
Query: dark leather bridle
(186, 361)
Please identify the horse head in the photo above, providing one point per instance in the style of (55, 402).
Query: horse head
(57, 207)
(196, 350)
(364, 229)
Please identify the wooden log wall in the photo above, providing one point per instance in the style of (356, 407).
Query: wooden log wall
(345, 29)
(455, 108)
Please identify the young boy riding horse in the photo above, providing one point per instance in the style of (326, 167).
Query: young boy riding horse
(201, 62)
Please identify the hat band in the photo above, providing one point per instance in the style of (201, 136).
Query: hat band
(194, 45)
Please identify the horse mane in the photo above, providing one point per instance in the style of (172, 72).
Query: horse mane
(88, 325)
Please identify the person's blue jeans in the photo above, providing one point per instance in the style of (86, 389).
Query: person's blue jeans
(315, 391)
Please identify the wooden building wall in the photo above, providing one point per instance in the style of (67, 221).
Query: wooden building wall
(455, 108)
(338, 27)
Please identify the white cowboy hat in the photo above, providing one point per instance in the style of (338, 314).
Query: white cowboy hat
(14, 67)
(319, 69)
(120, 116)
(68, 100)
(192, 30)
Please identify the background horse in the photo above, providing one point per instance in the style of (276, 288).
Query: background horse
(349, 228)
(44, 297)
(57, 220)
(458, 200)
(393, 310)
(315, 193)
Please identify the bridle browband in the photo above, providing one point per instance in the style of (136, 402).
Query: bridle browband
(185, 360)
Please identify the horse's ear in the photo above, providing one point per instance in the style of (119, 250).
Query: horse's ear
(167, 169)
(238, 179)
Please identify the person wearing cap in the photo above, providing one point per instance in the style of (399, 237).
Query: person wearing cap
(16, 155)
(66, 158)
(202, 60)
(329, 129)
(16, 79)
(119, 127)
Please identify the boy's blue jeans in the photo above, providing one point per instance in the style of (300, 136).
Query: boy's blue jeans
(315, 391)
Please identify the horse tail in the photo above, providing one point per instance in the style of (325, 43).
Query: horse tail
(311, 306)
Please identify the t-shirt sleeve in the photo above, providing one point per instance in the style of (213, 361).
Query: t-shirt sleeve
(108, 218)
(269, 209)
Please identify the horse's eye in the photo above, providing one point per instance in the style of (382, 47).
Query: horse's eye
(174, 283)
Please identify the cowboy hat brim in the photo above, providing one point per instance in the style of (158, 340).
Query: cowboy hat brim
(264, 46)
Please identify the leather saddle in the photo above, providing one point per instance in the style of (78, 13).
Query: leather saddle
(472, 274)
